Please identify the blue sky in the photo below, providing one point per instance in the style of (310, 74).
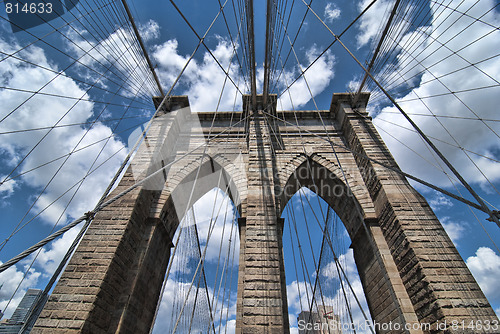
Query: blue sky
(170, 42)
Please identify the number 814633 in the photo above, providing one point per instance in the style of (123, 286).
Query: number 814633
(31, 8)
(478, 325)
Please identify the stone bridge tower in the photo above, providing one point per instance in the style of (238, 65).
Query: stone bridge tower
(409, 268)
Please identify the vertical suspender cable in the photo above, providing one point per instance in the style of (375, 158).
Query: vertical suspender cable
(493, 214)
(268, 55)
(375, 54)
(141, 43)
(251, 48)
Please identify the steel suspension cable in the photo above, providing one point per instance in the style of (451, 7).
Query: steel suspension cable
(59, 168)
(287, 88)
(422, 134)
(202, 41)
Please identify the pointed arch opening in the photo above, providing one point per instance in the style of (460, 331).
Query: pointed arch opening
(329, 183)
(324, 288)
(199, 289)
(200, 206)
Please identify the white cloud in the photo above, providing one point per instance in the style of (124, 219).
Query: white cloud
(455, 230)
(485, 266)
(330, 282)
(229, 327)
(218, 204)
(171, 303)
(111, 57)
(149, 31)
(317, 79)
(203, 80)
(41, 111)
(439, 201)
(353, 85)
(49, 257)
(46, 262)
(46, 111)
(471, 135)
(187, 258)
(171, 62)
(7, 188)
(222, 227)
(9, 282)
(299, 297)
(332, 12)
(347, 263)
(371, 21)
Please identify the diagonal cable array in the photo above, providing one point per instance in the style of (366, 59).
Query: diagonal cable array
(99, 54)
(108, 61)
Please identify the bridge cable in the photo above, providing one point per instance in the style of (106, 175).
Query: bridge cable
(42, 300)
(62, 164)
(428, 141)
(303, 264)
(231, 125)
(141, 43)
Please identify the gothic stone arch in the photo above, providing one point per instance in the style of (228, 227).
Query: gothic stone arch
(410, 270)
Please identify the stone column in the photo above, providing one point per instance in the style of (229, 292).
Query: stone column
(262, 304)
(384, 290)
(112, 282)
(437, 280)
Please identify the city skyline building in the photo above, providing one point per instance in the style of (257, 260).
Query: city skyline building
(22, 312)
(322, 321)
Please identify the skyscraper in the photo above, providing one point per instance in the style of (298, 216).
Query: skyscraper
(21, 314)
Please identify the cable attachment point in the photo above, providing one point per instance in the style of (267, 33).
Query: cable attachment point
(494, 213)
(89, 215)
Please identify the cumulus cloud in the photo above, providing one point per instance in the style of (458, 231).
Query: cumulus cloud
(45, 263)
(203, 80)
(111, 58)
(439, 201)
(224, 229)
(213, 213)
(371, 21)
(348, 265)
(317, 79)
(346, 260)
(455, 230)
(231, 327)
(9, 283)
(478, 136)
(224, 236)
(171, 304)
(485, 266)
(46, 111)
(6, 188)
(177, 293)
(332, 12)
(32, 149)
(298, 296)
(149, 31)
(48, 258)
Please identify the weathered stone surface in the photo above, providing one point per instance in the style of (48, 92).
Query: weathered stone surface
(409, 268)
